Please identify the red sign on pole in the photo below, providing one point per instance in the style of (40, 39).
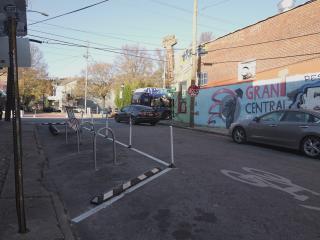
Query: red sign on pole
(193, 90)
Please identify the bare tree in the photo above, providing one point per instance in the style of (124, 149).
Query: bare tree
(206, 37)
(101, 77)
(33, 82)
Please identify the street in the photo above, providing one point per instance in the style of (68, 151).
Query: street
(218, 190)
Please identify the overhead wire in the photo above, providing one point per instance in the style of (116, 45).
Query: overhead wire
(65, 43)
(68, 13)
(264, 42)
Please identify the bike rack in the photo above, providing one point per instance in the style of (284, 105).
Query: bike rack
(107, 129)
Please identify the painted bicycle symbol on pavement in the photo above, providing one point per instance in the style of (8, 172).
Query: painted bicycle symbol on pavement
(263, 179)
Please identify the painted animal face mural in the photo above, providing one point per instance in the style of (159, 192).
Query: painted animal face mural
(226, 106)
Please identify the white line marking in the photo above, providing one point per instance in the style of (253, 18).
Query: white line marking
(311, 207)
(151, 157)
(135, 150)
(126, 185)
(89, 213)
(155, 170)
(108, 194)
(141, 177)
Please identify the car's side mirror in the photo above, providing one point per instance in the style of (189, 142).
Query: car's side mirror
(256, 119)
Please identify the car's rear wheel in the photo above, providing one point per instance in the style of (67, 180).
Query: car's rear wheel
(239, 135)
(311, 146)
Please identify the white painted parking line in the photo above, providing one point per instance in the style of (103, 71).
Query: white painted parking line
(136, 150)
(151, 157)
(311, 207)
(94, 210)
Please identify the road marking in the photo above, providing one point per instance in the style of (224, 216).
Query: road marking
(136, 150)
(104, 205)
(310, 207)
(263, 179)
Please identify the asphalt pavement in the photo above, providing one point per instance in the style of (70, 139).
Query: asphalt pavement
(218, 190)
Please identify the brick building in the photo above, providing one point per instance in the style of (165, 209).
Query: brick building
(273, 64)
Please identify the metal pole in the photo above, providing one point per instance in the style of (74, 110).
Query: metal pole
(9, 102)
(107, 125)
(86, 80)
(91, 118)
(95, 150)
(66, 130)
(130, 133)
(194, 60)
(171, 145)
(16, 124)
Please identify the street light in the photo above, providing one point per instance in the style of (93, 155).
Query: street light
(42, 13)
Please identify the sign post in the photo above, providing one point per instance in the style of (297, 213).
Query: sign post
(15, 23)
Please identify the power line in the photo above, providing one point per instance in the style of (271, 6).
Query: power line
(215, 4)
(189, 11)
(68, 13)
(264, 42)
(101, 44)
(101, 35)
(262, 59)
(65, 43)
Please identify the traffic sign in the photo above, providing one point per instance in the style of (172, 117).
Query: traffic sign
(23, 47)
(193, 90)
(16, 8)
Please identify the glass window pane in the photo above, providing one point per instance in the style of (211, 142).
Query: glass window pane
(299, 117)
(274, 117)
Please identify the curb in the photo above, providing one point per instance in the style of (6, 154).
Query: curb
(195, 129)
(61, 213)
(120, 189)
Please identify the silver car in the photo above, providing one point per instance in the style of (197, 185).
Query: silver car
(295, 129)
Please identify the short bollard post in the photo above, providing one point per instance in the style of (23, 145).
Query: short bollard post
(66, 129)
(171, 145)
(35, 112)
(95, 150)
(107, 125)
(82, 116)
(130, 133)
(78, 140)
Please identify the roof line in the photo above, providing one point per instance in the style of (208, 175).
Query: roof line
(264, 20)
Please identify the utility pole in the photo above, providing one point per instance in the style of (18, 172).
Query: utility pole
(86, 80)
(16, 122)
(194, 60)
(9, 101)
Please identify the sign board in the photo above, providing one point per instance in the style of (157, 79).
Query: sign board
(23, 50)
(17, 7)
(193, 90)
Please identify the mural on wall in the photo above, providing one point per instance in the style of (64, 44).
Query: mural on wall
(245, 100)
(226, 106)
(306, 97)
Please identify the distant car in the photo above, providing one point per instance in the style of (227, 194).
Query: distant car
(51, 109)
(295, 129)
(138, 114)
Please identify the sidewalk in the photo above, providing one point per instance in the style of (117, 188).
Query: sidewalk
(45, 215)
(213, 130)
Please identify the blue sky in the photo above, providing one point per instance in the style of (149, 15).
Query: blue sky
(116, 23)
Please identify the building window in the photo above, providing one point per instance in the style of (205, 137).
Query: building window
(203, 78)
